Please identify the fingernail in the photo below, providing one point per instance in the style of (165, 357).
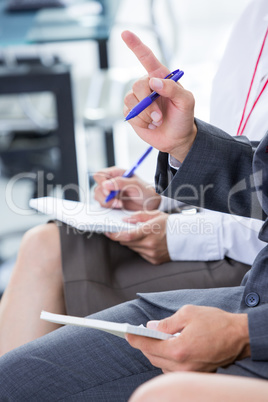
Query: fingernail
(106, 192)
(117, 204)
(106, 184)
(156, 83)
(152, 324)
(157, 123)
(151, 126)
(155, 116)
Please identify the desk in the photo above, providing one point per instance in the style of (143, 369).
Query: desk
(57, 25)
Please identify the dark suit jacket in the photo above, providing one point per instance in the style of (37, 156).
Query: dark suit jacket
(219, 173)
(216, 174)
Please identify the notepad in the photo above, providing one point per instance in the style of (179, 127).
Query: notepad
(83, 216)
(113, 328)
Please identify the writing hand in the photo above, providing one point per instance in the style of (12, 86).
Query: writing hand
(134, 195)
(149, 239)
(167, 124)
(210, 338)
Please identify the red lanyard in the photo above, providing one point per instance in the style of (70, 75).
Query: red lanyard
(242, 128)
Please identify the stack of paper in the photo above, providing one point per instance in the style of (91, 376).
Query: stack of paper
(82, 216)
(107, 326)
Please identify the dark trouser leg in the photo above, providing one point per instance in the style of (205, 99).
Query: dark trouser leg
(75, 363)
(80, 364)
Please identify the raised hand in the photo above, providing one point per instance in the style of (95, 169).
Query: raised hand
(167, 124)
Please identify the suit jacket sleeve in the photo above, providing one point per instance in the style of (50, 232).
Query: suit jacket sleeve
(216, 174)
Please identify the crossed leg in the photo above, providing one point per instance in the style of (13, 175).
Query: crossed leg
(36, 284)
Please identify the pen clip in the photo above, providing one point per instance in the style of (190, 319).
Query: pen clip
(171, 74)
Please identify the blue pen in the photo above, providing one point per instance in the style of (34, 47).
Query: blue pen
(174, 76)
(129, 173)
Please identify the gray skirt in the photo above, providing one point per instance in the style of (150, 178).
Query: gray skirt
(99, 273)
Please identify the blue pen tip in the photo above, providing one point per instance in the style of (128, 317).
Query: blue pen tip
(108, 198)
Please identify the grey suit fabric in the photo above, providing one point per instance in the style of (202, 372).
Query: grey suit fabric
(74, 364)
(220, 177)
(231, 189)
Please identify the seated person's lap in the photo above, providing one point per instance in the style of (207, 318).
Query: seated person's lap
(99, 273)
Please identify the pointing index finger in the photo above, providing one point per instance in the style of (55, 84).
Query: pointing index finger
(145, 56)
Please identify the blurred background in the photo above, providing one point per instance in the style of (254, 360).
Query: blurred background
(64, 73)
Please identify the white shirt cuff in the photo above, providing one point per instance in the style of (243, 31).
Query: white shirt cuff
(194, 237)
(210, 235)
(173, 162)
(169, 204)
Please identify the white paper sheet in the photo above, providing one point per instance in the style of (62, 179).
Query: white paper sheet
(83, 216)
(107, 326)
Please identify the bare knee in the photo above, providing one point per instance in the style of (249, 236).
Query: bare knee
(40, 249)
(152, 390)
(43, 237)
(208, 387)
(167, 387)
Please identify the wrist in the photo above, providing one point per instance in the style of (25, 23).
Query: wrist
(181, 151)
(242, 331)
(152, 203)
